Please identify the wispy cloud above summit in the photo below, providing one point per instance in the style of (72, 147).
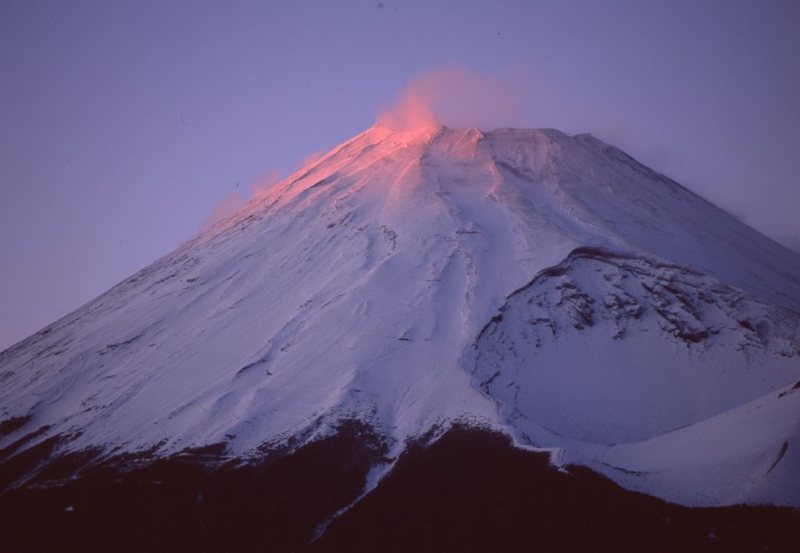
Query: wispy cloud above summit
(452, 96)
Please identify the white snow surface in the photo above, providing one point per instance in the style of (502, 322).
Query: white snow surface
(365, 286)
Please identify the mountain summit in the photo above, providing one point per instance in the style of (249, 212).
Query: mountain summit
(546, 286)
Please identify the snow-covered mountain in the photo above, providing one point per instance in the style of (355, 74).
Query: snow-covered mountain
(548, 286)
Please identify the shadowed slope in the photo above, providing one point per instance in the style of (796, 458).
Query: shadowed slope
(469, 491)
(472, 491)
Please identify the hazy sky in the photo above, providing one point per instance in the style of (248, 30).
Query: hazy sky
(123, 124)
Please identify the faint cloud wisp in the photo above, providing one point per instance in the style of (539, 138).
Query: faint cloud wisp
(233, 202)
(453, 97)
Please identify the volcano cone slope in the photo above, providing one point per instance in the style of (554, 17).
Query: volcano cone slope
(546, 286)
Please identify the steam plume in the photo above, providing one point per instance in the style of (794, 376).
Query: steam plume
(454, 97)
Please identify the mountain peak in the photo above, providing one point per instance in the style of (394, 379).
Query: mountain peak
(425, 134)
(374, 284)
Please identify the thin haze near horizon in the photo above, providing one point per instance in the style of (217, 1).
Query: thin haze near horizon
(124, 126)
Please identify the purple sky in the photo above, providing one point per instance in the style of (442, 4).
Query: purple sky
(123, 124)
